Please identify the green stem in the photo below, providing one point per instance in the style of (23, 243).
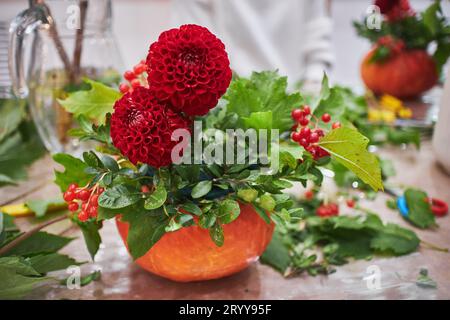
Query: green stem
(433, 246)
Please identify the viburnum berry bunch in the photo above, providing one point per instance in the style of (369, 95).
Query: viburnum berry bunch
(307, 133)
(83, 198)
(136, 77)
(328, 210)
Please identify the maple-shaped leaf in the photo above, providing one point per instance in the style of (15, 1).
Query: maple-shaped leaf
(349, 147)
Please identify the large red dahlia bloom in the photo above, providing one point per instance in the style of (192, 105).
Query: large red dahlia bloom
(395, 9)
(141, 128)
(189, 67)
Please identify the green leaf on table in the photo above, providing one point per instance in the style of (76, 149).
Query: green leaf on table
(229, 210)
(84, 280)
(45, 263)
(420, 213)
(39, 243)
(264, 94)
(18, 278)
(348, 147)
(119, 196)
(74, 171)
(277, 254)
(424, 280)
(201, 189)
(41, 206)
(157, 198)
(90, 230)
(146, 228)
(395, 239)
(94, 103)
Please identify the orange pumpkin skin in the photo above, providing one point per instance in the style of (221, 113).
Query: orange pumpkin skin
(189, 254)
(406, 74)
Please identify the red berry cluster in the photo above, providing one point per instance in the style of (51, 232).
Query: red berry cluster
(328, 210)
(306, 133)
(88, 199)
(136, 78)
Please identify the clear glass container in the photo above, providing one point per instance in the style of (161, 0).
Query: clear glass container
(53, 45)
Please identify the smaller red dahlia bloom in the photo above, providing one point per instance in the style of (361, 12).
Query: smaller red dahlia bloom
(142, 127)
(395, 10)
(189, 67)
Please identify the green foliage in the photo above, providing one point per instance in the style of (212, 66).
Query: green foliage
(157, 198)
(295, 250)
(94, 103)
(420, 213)
(348, 147)
(41, 206)
(261, 102)
(24, 267)
(74, 171)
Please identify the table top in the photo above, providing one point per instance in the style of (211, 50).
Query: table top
(122, 279)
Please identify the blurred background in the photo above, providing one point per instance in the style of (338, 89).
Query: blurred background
(137, 23)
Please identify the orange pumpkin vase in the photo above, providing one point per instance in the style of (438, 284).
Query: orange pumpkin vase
(189, 254)
(404, 75)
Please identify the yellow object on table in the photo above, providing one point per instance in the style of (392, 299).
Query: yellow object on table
(22, 210)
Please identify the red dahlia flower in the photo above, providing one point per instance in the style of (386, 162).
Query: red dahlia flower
(141, 128)
(189, 67)
(395, 9)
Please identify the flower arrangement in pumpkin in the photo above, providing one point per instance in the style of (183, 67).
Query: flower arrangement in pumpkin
(201, 220)
(400, 63)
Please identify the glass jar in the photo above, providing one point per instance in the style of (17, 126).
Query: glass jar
(53, 45)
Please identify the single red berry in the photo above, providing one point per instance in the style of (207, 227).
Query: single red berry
(326, 117)
(135, 83)
(83, 216)
(84, 195)
(100, 190)
(124, 88)
(94, 200)
(72, 187)
(92, 211)
(319, 132)
(303, 142)
(73, 206)
(129, 75)
(69, 196)
(306, 110)
(309, 194)
(296, 136)
(305, 132)
(350, 203)
(304, 121)
(139, 68)
(297, 114)
(146, 189)
(84, 206)
(334, 209)
(294, 127)
(314, 137)
(336, 125)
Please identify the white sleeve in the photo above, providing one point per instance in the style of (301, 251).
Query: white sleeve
(317, 53)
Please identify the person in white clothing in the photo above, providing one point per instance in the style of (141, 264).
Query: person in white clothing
(293, 36)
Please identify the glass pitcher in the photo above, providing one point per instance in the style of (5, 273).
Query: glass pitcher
(53, 45)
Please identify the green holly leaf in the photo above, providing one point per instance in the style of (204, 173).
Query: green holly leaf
(74, 171)
(94, 103)
(229, 210)
(348, 147)
(191, 208)
(395, 239)
(277, 254)
(157, 198)
(39, 243)
(90, 230)
(18, 278)
(420, 213)
(146, 228)
(201, 189)
(119, 196)
(45, 263)
(255, 100)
